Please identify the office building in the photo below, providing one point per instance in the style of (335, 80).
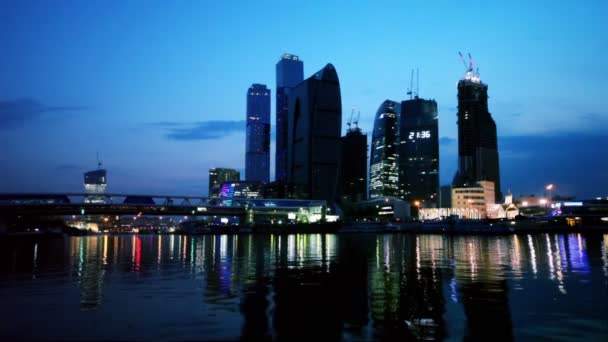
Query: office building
(95, 185)
(384, 161)
(478, 198)
(477, 142)
(289, 73)
(314, 129)
(219, 175)
(419, 152)
(241, 189)
(354, 166)
(257, 154)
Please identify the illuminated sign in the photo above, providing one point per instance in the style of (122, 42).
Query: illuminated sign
(419, 135)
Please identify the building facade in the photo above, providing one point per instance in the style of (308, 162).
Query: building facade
(384, 161)
(419, 152)
(354, 166)
(95, 185)
(314, 130)
(478, 197)
(241, 189)
(257, 153)
(477, 141)
(289, 73)
(219, 175)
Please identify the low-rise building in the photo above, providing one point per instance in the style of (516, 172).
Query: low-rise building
(478, 196)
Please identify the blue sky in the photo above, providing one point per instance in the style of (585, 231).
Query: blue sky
(150, 84)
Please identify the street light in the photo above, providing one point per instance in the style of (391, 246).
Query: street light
(417, 205)
(549, 188)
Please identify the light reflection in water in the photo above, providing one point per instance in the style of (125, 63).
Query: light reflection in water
(550, 258)
(393, 277)
(605, 257)
(532, 255)
(516, 257)
(558, 263)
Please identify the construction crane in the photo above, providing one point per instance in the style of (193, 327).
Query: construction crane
(463, 61)
(349, 123)
(356, 122)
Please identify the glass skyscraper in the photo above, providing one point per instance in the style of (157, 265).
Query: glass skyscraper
(257, 153)
(419, 152)
(290, 72)
(477, 141)
(354, 165)
(314, 129)
(384, 162)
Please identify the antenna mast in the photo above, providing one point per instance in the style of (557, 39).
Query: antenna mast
(417, 81)
(409, 90)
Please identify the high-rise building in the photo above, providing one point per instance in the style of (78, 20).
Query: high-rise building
(257, 154)
(314, 127)
(384, 161)
(95, 184)
(217, 176)
(477, 143)
(419, 152)
(290, 72)
(354, 165)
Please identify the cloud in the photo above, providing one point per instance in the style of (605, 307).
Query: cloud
(574, 162)
(15, 113)
(203, 130)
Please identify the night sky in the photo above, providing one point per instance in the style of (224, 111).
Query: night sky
(158, 88)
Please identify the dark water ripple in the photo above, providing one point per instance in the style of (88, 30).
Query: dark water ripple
(286, 287)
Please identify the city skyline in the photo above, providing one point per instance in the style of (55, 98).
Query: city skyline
(141, 101)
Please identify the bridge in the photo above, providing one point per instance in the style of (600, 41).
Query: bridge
(66, 204)
(79, 197)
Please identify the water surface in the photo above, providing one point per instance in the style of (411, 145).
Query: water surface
(352, 287)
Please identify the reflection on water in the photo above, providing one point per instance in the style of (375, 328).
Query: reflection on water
(354, 287)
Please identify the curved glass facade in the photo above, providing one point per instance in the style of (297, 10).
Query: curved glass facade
(384, 169)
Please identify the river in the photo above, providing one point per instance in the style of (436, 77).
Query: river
(305, 286)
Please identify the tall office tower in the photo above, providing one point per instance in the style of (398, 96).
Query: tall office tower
(290, 72)
(217, 176)
(314, 127)
(477, 143)
(354, 165)
(257, 155)
(384, 162)
(419, 152)
(95, 184)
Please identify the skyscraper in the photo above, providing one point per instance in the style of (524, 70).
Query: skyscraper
(290, 72)
(419, 152)
(354, 165)
(384, 167)
(477, 143)
(257, 156)
(95, 184)
(219, 175)
(314, 127)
